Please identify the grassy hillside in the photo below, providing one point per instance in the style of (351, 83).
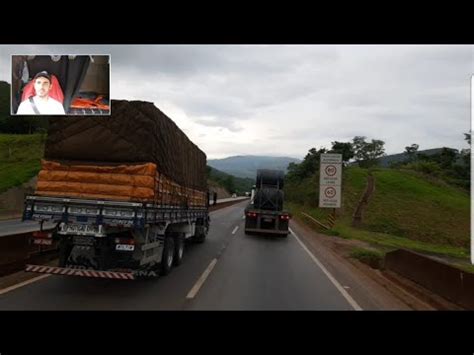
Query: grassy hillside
(406, 210)
(19, 158)
(408, 206)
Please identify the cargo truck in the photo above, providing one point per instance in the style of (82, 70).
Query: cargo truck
(126, 192)
(265, 213)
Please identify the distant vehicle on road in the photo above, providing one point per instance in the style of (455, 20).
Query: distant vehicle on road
(265, 212)
(234, 195)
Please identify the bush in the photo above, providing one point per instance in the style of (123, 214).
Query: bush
(426, 167)
(332, 232)
(370, 257)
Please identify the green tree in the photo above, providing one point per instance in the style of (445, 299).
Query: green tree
(411, 151)
(467, 137)
(308, 166)
(466, 153)
(366, 153)
(447, 158)
(229, 184)
(358, 147)
(343, 148)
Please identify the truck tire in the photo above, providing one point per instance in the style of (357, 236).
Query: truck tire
(178, 249)
(167, 258)
(273, 178)
(200, 236)
(65, 247)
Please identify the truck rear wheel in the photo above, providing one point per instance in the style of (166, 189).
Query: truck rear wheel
(178, 249)
(167, 258)
(65, 247)
(199, 238)
(201, 233)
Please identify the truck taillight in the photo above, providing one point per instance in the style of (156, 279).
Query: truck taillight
(124, 241)
(285, 217)
(251, 214)
(41, 235)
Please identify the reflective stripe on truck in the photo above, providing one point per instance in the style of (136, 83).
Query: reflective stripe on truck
(80, 272)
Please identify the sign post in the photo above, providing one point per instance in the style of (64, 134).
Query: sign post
(330, 176)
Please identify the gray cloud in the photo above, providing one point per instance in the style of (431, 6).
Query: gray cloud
(287, 99)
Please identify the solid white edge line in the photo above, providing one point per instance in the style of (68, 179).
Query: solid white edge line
(201, 280)
(344, 293)
(24, 283)
(235, 229)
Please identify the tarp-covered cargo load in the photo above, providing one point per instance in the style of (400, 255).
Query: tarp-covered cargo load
(122, 182)
(136, 132)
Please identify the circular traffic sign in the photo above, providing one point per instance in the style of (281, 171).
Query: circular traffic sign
(330, 170)
(330, 192)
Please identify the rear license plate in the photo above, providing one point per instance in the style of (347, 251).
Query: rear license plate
(125, 247)
(81, 240)
(40, 241)
(268, 219)
(81, 228)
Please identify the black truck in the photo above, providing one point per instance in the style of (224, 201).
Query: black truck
(265, 212)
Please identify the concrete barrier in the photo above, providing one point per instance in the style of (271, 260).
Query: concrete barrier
(445, 280)
(16, 251)
(226, 202)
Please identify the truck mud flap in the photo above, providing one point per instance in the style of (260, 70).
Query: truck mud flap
(78, 272)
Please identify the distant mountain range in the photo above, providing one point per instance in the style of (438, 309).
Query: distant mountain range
(246, 166)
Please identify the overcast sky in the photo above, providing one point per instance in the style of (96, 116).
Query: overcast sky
(283, 100)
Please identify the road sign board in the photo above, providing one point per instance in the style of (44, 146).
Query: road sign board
(330, 196)
(331, 158)
(330, 176)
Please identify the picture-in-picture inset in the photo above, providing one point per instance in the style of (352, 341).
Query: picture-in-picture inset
(60, 85)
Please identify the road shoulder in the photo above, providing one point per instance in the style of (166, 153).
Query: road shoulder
(369, 287)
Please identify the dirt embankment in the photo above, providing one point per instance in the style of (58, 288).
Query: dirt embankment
(221, 192)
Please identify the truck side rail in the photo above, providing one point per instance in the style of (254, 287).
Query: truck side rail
(106, 212)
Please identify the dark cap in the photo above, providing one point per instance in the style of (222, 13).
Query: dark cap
(43, 74)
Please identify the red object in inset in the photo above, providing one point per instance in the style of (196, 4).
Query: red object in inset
(55, 93)
(79, 103)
